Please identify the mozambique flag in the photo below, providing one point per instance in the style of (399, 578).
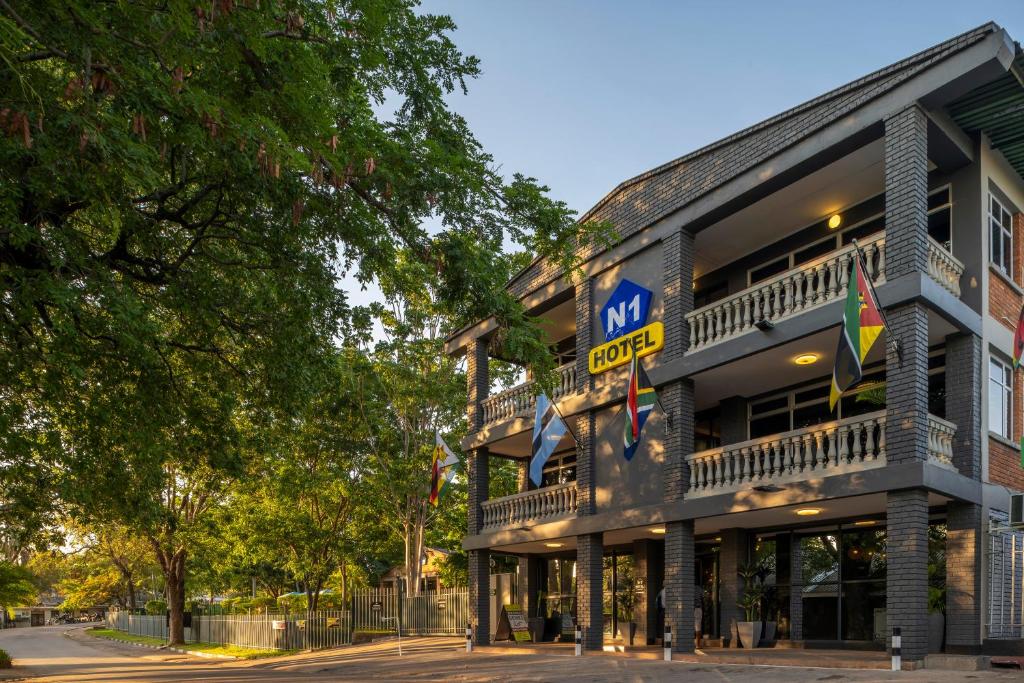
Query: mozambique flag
(862, 323)
(640, 400)
(442, 468)
(1018, 341)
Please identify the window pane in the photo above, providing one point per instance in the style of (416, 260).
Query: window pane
(814, 251)
(811, 415)
(864, 554)
(938, 227)
(937, 394)
(769, 405)
(996, 409)
(861, 231)
(811, 394)
(938, 198)
(996, 240)
(766, 271)
(773, 424)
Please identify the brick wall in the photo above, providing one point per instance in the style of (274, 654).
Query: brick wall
(586, 502)
(1003, 300)
(678, 399)
(964, 382)
(480, 595)
(906, 425)
(906, 591)
(1004, 461)
(906, 193)
(477, 383)
(589, 587)
(963, 578)
(478, 481)
(679, 584)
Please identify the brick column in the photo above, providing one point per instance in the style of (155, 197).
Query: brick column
(733, 419)
(522, 475)
(964, 539)
(478, 480)
(796, 591)
(585, 474)
(678, 399)
(677, 266)
(584, 329)
(906, 591)
(963, 387)
(480, 595)
(680, 593)
(906, 193)
(477, 383)
(589, 587)
(906, 392)
(733, 553)
(648, 565)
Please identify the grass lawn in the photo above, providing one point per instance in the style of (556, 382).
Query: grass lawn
(208, 648)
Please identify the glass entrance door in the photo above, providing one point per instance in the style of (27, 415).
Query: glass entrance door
(619, 595)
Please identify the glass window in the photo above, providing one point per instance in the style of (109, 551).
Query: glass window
(707, 430)
(940, 211)
(820, 568)
(559, 469)
(1000, 236)
(766, 271)
(814, 251)
(772, 424)
(863, 230)
(709, 295)
(1000, 397)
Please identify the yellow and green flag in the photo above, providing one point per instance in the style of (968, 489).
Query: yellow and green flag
(862, 324)
(442, 468)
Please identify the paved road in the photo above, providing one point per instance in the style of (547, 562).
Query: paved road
(67, 654)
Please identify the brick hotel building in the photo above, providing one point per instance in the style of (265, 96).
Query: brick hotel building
(741, 252)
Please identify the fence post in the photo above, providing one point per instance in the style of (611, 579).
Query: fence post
(579, 637)
(897, 643)
(469, 637)
(668, 642)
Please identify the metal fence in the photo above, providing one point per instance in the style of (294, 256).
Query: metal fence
(1005, 563)
(280, 631)
(432, 613)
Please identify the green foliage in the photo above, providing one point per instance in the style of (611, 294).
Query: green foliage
(16, 585)
(755, 593)
(156, 607)
(5, 660)
(453, 570)
(91, 591)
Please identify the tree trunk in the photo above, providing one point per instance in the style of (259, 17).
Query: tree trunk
(176, 599)
(131, 593)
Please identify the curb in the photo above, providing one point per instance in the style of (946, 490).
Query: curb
(179, 650)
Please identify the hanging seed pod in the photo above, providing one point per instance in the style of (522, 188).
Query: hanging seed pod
(83, 140)
(333, 143)
(370, 166)
(297, 208)
(177, 79)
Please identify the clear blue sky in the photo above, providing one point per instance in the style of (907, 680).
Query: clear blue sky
(583, 94)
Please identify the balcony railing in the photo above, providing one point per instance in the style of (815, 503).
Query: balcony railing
(542, 505)
(519, 401)
(807, 286)
(853, 444)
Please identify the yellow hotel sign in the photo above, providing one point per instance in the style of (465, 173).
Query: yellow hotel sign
(647, 340)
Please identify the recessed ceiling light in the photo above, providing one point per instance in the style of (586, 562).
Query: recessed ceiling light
(658, 530)
(718, 538)
(554, 545)
(806, 359)
(865, 522)
(834, 221)
(808, 512)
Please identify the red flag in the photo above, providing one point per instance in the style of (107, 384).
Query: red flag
(1018, 340)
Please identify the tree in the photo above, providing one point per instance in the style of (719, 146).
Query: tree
(179, 186)
(16, 586)
(125, 556)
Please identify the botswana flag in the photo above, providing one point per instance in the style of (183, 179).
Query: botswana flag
(548, 430)
(862, 323)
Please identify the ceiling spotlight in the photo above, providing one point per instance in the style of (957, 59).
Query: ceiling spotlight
(806, 359)
(554, 545)
(658, 530)
(865, 522)
(808, 512)
(834, 221)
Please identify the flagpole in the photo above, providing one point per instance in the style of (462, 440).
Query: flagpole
(565, 422)
(881, 312)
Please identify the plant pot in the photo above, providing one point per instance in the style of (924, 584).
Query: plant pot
(749, 633)
(769, 631)
(627, 632)
(936, 631)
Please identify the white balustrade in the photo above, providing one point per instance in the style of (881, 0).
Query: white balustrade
(856, 443)
(944, 268)
(807, 286)
(520, 399)
(940, 442)
(541, 505)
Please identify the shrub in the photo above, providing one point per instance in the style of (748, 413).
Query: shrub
(156, 607)
(262, 603)
(5, 660)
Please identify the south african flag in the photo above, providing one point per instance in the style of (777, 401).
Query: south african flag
(862, 324)
(640, 400)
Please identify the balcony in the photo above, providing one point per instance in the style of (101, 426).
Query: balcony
(807, 286)
(532, 507)
(519, 401)
(851, 445)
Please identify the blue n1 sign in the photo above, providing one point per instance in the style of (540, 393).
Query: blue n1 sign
(626, 310)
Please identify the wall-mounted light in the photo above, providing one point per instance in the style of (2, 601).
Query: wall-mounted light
(834, 221)
(865, 522)
(658, 530)
(808, 512)
(554, 545)
(806, 359)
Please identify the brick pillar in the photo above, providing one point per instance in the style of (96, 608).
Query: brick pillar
(733, 418)
(677, 266)
(906, 591)
(585, 474)
(589, 587)
(732, 554)
(477, 383)
(906, 193)
(584, 329)
(478, 480)
(480, 595)
(906, 392)
(964, 539)
(678, 399)
(796, 591)
(648, 565)
(522, 475)
(528, 584)
(680, 592)
(963, 387)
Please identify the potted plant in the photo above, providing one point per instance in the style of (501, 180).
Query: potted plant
(936, 587)
(752, 603)
(627, 603)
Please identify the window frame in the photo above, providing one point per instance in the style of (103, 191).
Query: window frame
(1005, 235)
(1006, 389)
